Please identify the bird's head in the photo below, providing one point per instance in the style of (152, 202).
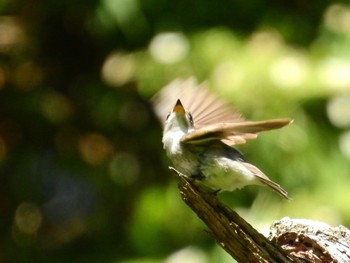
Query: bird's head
(178, 119)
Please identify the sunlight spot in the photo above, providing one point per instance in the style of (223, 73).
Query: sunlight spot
(11, 33)
(335, 73)
(338, 111)
(337, 18)
(28, 218)
(94, 148)
(169, 48)
(265, 42)
(187, 255)
(289, 71)
(118, 69)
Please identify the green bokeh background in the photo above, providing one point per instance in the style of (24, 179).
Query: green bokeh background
(83, 174)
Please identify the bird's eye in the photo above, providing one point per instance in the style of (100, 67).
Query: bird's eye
(167, 117)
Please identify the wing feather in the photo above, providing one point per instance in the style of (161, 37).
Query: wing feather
(227, 131)
(205, 107)
(214, 119)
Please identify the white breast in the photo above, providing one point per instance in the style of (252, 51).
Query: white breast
(171, 142)
(182, 158)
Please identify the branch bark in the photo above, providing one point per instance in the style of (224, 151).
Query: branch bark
(290, 240)
(312, 241)
(232, 233)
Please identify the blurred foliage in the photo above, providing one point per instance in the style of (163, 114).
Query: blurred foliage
(83, 174)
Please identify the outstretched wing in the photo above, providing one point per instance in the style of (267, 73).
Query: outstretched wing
(205, 107)
(214, 119)
(232, 133)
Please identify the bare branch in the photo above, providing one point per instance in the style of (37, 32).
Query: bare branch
(231, 232)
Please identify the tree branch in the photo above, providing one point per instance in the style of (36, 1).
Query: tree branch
(231, 232)
(290, 240)
(312, 241)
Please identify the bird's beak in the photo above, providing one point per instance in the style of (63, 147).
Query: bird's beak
(178, 108)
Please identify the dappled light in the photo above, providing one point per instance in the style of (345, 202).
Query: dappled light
(84, 176)
(337, 18)
(28, 218)
(338, 110)
(94, 148)
(289, 71)
(169, 48)
(334, 73)
(188, 255)
(118, 69)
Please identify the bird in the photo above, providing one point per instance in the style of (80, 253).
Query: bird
(199, 137)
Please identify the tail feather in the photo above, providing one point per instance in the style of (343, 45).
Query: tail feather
(266, 181)
(275, 187)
